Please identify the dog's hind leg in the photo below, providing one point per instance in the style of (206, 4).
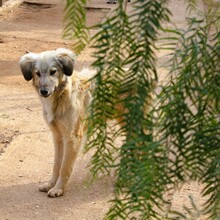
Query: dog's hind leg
(71, 148)
(58, 154)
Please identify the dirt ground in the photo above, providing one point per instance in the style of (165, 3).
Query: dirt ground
(26, 151)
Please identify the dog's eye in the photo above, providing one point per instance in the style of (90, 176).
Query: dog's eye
(53, 71)
(37, 73)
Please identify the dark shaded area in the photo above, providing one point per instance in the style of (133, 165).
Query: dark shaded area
(35, 5)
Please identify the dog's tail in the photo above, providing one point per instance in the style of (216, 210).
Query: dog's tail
(87, 73)
(84, 77)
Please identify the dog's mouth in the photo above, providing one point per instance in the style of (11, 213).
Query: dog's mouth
(45, 96)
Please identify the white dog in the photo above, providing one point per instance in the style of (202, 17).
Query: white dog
(65, 96)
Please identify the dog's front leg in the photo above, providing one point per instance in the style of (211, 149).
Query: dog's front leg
(58, 154)
(71, 148)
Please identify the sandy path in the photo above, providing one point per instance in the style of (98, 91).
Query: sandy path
(26, 151)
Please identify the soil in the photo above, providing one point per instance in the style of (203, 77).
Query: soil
(26, 149)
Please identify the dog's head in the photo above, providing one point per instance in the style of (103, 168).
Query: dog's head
(48, 70)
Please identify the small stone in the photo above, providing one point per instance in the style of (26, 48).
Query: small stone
(5, 141)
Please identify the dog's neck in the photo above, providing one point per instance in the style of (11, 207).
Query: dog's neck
(53, 106)
(47, 104)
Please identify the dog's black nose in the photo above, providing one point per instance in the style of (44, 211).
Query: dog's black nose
(44, 92)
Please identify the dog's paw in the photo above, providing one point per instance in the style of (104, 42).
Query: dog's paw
(55, 192)
(45, 187)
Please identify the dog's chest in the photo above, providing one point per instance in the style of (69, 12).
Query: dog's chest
(48, 109)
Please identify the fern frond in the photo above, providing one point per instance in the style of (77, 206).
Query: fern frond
(170, 134)
(189, 113)
(75, 27)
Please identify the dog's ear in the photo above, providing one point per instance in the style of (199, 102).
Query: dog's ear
(26, 64)
(66, 59)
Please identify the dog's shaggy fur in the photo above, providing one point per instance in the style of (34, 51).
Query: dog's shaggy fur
(65, 96)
